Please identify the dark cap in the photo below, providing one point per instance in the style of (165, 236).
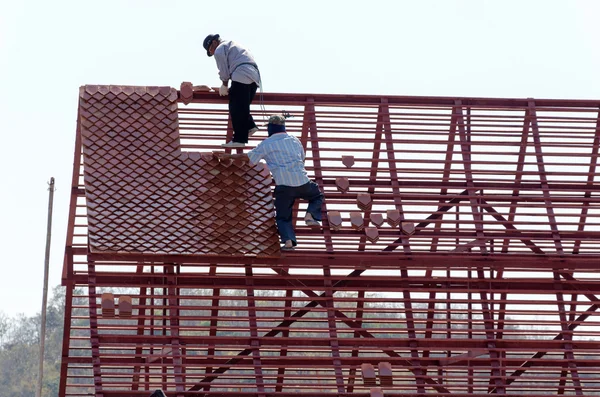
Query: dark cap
(277, 119)
(208, 41)
(276, 124)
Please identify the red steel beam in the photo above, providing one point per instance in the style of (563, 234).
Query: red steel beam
(520, 177)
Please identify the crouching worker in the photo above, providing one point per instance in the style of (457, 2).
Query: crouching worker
(284, 156)
(236, 63)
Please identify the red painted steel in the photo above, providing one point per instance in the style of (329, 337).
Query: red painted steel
(483, 278)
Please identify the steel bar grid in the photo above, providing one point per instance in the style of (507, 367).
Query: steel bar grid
(482, 279)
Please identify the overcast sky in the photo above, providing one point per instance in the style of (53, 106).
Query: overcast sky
(504, 48)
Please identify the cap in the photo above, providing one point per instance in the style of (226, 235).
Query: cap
(277, 119)
(276, 124)
(208, 41)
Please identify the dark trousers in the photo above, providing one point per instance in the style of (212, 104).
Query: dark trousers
(285, 196)
(240, 98)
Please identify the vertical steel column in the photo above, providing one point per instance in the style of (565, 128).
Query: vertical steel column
(448, 320)
(163, 326)
(214, 322)
(304, 141)
(590, 182)
(373, 171)
(389, 140)
(470, 372)
(135, 378)
(152, 321)
(410, 324)
(64, 364)
(360, 302)
(253, 326)
(285, 333)
(68, 260)
(93, 313)
(173, 294)
(543, 178)
(465, 149)
(430, 321)
(518, 174)
(562, 382)
(75, 193)
(314, 139)
(501, 319)
(445, 177)
(567, 335)
(488, 322)
(333, 337)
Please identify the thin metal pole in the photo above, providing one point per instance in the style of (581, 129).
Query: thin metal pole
(45, 294)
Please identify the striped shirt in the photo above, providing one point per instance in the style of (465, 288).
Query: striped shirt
(232, 62)
(284, 155)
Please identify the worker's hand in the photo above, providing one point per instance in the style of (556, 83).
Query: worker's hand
(233, 156)
(223, 91)
(221, 155)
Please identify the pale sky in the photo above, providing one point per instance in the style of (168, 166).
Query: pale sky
(504, 48)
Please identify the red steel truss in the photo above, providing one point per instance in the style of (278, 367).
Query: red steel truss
(459, 256)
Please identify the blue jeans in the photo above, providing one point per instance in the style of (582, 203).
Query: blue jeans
(285, 196)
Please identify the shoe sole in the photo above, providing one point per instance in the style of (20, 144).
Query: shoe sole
(232, 146)
(314, 225)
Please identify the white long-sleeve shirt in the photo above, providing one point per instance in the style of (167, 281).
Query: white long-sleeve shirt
(230, 57)
(284, 155)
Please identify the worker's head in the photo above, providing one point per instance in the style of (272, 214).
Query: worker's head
(276, 124)
(210, 43)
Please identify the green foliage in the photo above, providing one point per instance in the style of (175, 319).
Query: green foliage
(19, 350)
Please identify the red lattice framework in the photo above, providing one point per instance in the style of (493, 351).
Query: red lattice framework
(459, 256)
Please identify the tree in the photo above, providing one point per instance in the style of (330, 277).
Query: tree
(19, 350)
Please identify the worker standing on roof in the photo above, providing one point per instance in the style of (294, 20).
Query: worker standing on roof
(235, 63)
(285, 156)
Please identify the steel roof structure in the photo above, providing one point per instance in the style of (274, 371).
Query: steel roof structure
(459, 253)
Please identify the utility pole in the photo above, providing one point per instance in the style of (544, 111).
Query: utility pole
(38, 392)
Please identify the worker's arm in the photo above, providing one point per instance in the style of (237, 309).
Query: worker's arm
(221, 59)
(300, 147)
(257, 154)
(252, 157)
(232, 156)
